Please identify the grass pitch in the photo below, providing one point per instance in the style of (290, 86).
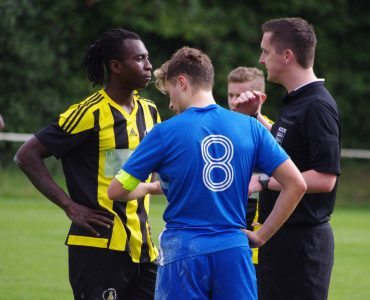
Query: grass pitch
(33, 257)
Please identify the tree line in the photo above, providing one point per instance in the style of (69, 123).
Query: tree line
(42, 44)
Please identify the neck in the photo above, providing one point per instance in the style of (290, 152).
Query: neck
(200, 99)
(119, 94)
(297, 77)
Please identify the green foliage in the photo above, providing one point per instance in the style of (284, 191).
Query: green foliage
(43, 42)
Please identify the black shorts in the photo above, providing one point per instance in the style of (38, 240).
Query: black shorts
(105, 274)
(296, 263)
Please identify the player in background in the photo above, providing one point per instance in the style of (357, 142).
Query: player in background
(239, 81)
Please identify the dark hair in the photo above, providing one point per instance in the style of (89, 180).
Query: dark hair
(103, 50)
(295, 34)
(189, 61)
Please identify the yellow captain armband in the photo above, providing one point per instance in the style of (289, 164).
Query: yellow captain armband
(128, 181)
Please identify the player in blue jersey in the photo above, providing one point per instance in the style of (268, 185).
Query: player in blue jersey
(205, 157)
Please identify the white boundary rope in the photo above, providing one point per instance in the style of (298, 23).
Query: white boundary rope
(22, 137)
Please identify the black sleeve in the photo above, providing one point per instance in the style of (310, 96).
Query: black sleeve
(320, 127)
(57, 141)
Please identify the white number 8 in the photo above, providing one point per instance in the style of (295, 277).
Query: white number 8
(222, 162)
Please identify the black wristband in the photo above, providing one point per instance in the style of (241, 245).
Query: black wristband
(264, 181)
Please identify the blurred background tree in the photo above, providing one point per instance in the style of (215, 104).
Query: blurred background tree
(42, 44)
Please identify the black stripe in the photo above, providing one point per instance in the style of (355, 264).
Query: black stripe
(120, 129)
(140, 121)
(81, 113)
(154, 113)
(143, 217)
(72, 115)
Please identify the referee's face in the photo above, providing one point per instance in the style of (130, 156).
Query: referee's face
(274, 62)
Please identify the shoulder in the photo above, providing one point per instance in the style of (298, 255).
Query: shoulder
(320, 96)
(236, 116)
(144, 101)
(80, 116)
(322, 104)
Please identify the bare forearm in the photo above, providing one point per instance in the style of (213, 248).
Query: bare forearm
(285, 204)
(316, 182)
(30, 158)
(141, 190)
(42, 180)
(117, 192)
(292, 188)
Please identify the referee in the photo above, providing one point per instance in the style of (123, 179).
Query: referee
(297, 262)
(111, 254)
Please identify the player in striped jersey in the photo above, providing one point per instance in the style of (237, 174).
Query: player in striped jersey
(110, 249)
(240, 80)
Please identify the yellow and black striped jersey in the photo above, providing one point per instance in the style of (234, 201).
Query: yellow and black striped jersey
(268, 119)
(93, 139)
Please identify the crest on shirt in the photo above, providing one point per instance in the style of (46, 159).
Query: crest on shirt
(280, 134)
(109, 294)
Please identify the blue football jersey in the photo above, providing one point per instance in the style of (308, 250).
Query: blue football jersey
(205, 158)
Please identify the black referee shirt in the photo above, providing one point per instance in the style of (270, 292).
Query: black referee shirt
(308, 128)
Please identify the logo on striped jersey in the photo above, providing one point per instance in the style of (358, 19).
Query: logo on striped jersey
(133, 132)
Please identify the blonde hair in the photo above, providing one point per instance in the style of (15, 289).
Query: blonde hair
(160, 78)
(192, 62)
(246, 74)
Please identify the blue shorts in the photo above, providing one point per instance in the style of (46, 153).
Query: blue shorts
(227, 274)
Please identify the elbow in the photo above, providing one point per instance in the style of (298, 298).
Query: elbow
(112, 193)
(115, 192)
(329, 185)
(20, 158)
(302, 186)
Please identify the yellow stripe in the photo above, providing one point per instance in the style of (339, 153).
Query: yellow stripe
(268, 120)
(153, 251)
(255, 228)
(149, 123)
(119, 237)
(133, 223)
(87, 241)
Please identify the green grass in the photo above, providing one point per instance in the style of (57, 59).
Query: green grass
(350, 277)
(33, 257)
